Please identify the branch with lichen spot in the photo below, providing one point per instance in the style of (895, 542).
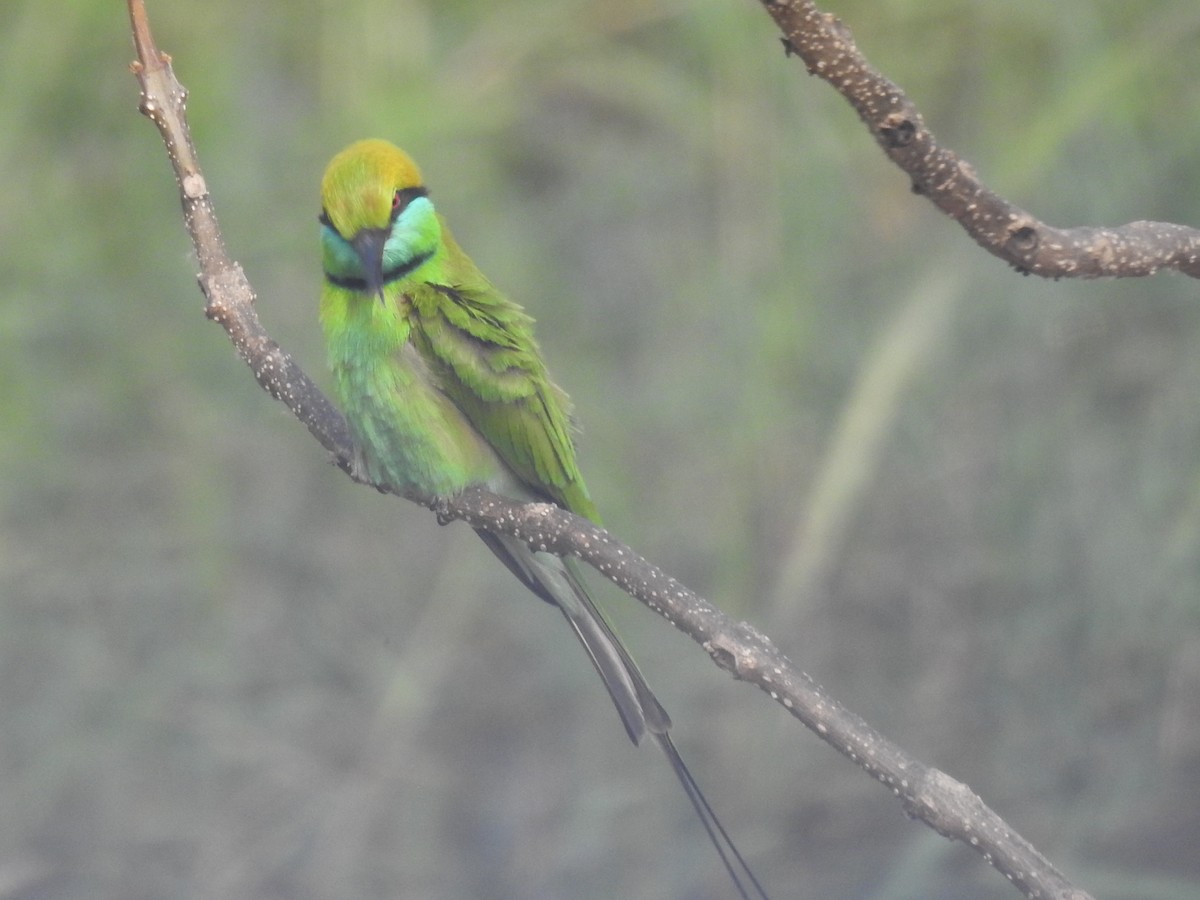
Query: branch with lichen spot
(1005, 230)
(947, 805)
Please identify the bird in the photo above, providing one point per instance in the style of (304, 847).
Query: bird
(443, 386)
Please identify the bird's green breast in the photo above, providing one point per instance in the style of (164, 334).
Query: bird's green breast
(412, 436)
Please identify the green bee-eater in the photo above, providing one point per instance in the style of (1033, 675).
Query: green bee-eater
(441, 381)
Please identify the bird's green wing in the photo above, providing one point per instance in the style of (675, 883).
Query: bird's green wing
(482, 354)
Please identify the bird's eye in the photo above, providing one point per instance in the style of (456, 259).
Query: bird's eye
(405, 196)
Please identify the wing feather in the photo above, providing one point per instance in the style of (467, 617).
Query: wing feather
(482, 351)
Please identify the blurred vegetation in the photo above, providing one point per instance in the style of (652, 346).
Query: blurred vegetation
(967, 502)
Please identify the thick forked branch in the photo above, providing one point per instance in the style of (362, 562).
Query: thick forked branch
(926, 793)
(1003, 229)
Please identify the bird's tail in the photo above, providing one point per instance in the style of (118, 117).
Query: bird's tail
(557, 581)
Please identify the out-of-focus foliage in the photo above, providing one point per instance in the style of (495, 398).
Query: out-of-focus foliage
(967, 502)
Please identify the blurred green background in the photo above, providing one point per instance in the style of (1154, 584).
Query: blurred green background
(965, 501)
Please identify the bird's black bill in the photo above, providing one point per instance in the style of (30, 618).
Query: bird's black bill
(369, 244)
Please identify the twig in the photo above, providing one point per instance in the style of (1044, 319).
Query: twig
(1003, 229)
(230, 299)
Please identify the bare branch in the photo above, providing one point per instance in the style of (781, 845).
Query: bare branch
(230, 299)
(1002, 228)
(945, 804)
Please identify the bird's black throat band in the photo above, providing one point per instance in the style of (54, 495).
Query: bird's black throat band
(360, 284)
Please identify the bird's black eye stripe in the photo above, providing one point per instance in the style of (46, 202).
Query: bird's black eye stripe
(405, 196)
(400, 201)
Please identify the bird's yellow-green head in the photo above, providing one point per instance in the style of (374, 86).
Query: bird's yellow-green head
(377, 222)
